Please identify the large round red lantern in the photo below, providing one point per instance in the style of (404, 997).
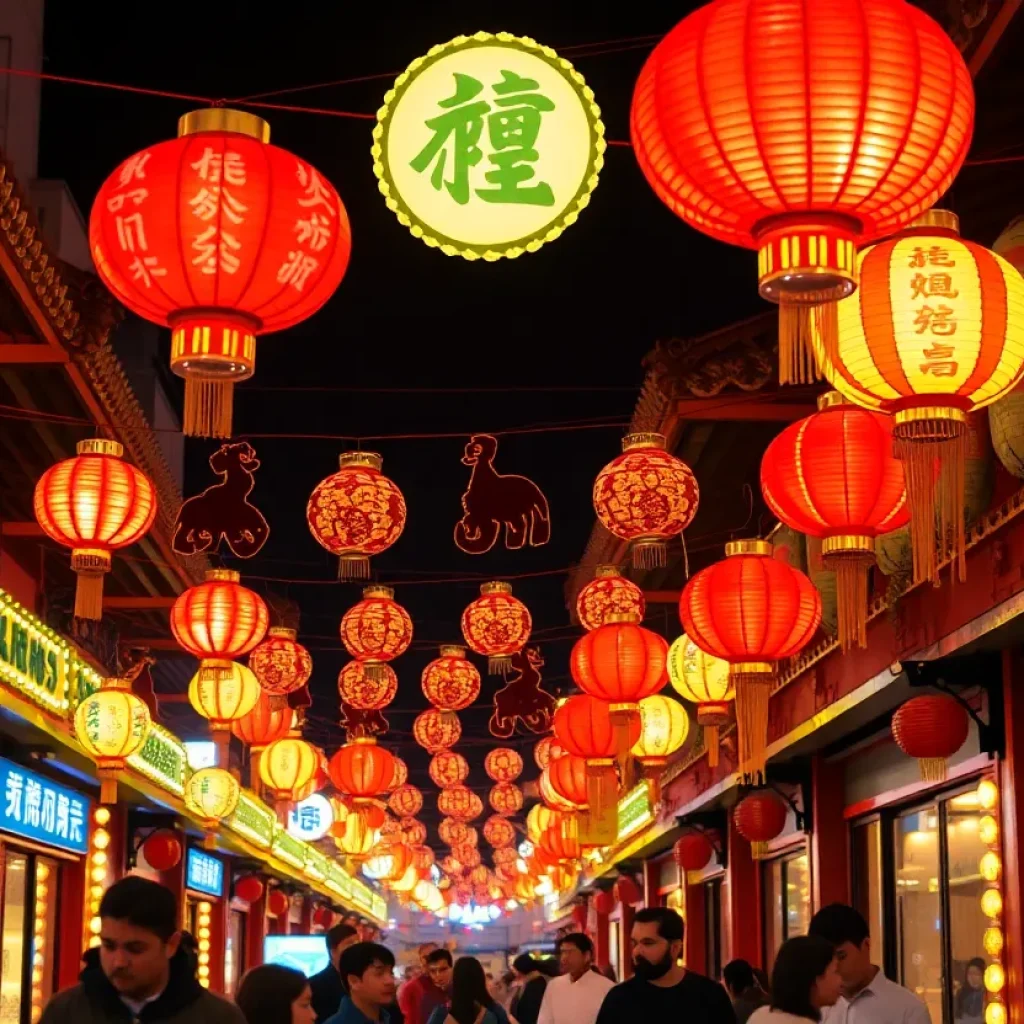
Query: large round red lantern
(249, 888)
(932, 728)
(503, 764)
(451, 682)
(448, 768)
(281, 664)
(456, 802)
(760, 818)
(361, 769)
(496, 625)
(364, 693)
(692, 851)
(645, 497)
(552, 799)
(833, 475)
(94, 504)
(356, 513)
(751, 610)
(609, 591)
(221, 237)
(568, 776)
(162, 849)
(436, 730)
(376, 630)
(277, 903)
(406, 801)
(499, 831)
(748, 128)
(506, 798)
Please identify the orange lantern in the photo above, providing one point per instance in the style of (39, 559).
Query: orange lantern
(436, 730)
(94, 504)
(356, 688)
(506, 798)
(221, 237)
(376, 630)
(760, 818)
(609, 591)
(456, 802)
(447, 768)
(552, 799)
(414, 832)
(561, 845)
(546, 750)
(422, 858)
(568, 778)
(286, 767)
(258, 729)
(281, 664)
(401, 776)
(467, 856)
(361, 769)
(499, 831)
(450, 682)
(356, 513)
(503, 764)
(496, 625)
(453, 832)
(645, 497)
(406, 801)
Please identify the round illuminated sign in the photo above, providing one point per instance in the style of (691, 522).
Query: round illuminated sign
(488, 146)
(311, 819)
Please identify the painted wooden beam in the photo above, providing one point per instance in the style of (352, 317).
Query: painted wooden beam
(742, 408)
(137, 603)
(27, 355)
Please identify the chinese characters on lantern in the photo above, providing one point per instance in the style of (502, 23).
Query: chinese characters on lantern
(932, 317)
(216, 209)
(129, 223)
(313, 229)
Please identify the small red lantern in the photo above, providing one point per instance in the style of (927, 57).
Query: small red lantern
(453, 832)
(568, 776)
(401, 776)
(627, 892)
(323, 917)
(361, 769)
(263, 725)
(932, 728)
(604, 902)
(447, 768)
(456, 802)
(281, 664)
(506, 798)
(760, 818)
(503, 764)
(692, 852)
(436, 730)
(499, 831)
(249, 888)
(162, 849)
(546, 750)
(360, 691)
(376, 630)
(496, 625)
(607, 593)
(451, 682)
(406, 801)
(277, 903)
(414, 832)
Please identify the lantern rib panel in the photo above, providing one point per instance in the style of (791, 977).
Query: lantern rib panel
(992, 288)
(179, 229)
(864, 69)
(748, 77)
(243, 291)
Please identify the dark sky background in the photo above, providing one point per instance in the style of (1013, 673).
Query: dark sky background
(414, 342)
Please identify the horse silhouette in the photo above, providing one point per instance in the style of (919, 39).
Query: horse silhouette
(222, 511)
(359, 723)
(135, 664)
(493, 500)
(522, 697)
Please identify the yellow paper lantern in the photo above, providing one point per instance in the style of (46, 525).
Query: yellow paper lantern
(212, 795)
(428, 896)
(223, 700)
(408, 881)
(703, 680)
(664, 727)
(286, 768)
(357, 839)
(112, 724)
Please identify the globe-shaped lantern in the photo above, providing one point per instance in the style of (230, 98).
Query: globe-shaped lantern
(609, 591)
(406, 801)
(447, 768)
(936, 331)
(568, 778)
(451, 682)
(436, 730)
(692, 851)
(753, 611)
(355, 837)
(545, 750)
(112, 724)
(552, 798)
(423, 858)
(703, 680)
(221, 237)
(539, 819)
(223, 701)
(414, 832)
(932, 728)
(645, 497)
(664, 728)
(262, 725)
(94, 504)
(456, 802)
(453, 832)
(561, 845)
(496, 625)
(833, 475)
(362, 770)
(749, 129)
(376, 630)
(760, 818)
(506, 798)
(503, 764)
(468, 857)
(360, 691)
(281, 664)
(499, 831)
(401, 776)
(286, 768)
(356, 513)
(211, 794)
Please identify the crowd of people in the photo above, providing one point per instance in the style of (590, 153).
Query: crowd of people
(142, 971)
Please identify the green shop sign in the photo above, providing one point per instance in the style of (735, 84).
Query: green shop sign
(162, 759)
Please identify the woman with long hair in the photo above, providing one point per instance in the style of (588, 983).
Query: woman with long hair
(272, 994)
(969, 1002)
(805, 980)
(471, 1001)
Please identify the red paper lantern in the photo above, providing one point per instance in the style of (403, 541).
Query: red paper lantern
(248, 888)
(94, 504)
(499, 831)
(162, 849)
(604, 902)
(453, 832)
(451, 682)
(323, 917)
(551, 798)
(422, 858)
(281, 664)
(608, 592)
(753, 611)
(414, 832)
(361, 769)
(692, 852)
(546, 750)
(560, 846)
(506, 798)
(468, 856)
(356, 513)
(277, 903)
(447, 768)
(221, 237)
(363, 693)
(749, 126)
(583, 726)
(263, 725)
(456, 802)
(496, 625)
(932, 728)
(760, 818)
(406, 801)
(645, 497)
(503, 764)
(626, 891)
(376, 630)
(436, 730)
(833, 475)
(568, 776)
(401, 776)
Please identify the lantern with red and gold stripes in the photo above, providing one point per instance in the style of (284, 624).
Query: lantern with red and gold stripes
(376, 630)
(609, 591)
(281, 664)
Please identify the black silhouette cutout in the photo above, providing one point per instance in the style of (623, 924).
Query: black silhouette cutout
(358, 723)
(135, 663)
(522, 697)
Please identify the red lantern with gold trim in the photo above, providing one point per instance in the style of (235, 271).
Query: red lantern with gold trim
(506, 798)
(932, 728)
(451, 682)
(361, 769)
(376, 630)
(363, 693)
(258, 729)
(496, 625)
(503, 764)
(760, 818)
(608, 592)
(568, 777)
(406, 801)
(448, 768)
(281, 664)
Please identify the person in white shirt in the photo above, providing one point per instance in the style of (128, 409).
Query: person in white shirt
(869, 997)
(575, 996)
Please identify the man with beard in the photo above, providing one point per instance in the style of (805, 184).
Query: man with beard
(661, 990)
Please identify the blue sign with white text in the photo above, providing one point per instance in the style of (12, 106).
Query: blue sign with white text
(204, 873)
(36, 808)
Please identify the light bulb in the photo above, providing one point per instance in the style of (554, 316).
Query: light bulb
(988, 794)
(995, 1013)
(992, 903)
(993, 941)
(102, 815)
(100, 839)
(990, 867)
(988, 830)
(995, 978)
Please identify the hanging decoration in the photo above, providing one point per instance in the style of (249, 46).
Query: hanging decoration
(211, 794)
(414, 832)
(664, 728)
(286, 769)
(521, 699)
(357, 691)
(496, 625)
(453, 832)
(360, 723)
(406, 801)
(545, 750)
(436, 730)
(607, 593)
(281, 664)
(356, 837)
(451, 682)
(936, 331)
(645, 497)
(567, 776)
(703, 680)
(753, 611)
(447, 768)
(362, 770)
(356, 513)
(503, 764)
(499, 831)
(162, 849)
(506, 798)
(450, 179)
(258, 729)
(814, 168)
(376, 630)
(401, 776)
(224, 700)
(932, 728)
(94, 504)
(552, 798)
(221, 237)
(692, 852)
(456, 802)
(494, 500)
(760, 817)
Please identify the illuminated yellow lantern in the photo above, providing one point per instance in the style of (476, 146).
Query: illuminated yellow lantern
(112, 724)
(428, 896)
(212, 795)
(703, 680)
(538, 821)
(664, 728)
(223, 700)
(408, 881)
(356, 837)
(286, 768)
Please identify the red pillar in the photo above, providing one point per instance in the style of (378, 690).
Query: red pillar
(625, 945)
(256, 930)
(306, 922)
(742, 910)
(829, 846)
(601, 939)
(1012, 806)
(71, 920)
(652, 880)
(174, 878)
(694, 951)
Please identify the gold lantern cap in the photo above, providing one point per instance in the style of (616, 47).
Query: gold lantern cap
(453, 651)
(946, 220)
(379, 590)
(100, 446)
(223, 576)
(603, 571)
(368, 460)
(613, 618)
(831, 400)
(749, 547)
(285, 632)
(223, 119)
(496, 587)
(115, 683)
(647, 439)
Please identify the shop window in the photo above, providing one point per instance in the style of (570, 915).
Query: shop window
(868, 887)
(615, 948)
(234, 951)
(713, 928)
(786, 883)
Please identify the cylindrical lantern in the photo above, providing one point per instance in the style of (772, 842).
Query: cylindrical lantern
(376, 630)
(356, 513)
(451, 682)
(281, 664)
(692, 852)
(221, 237)
(506, 798)
(112, 724)
(436, 730)
(496, 625)
(759, 123)
(760, 818)
(258, 729)
(162, 849)
(212, 795)
(645, 497)
(94, 504)
(406, 801)
(286, 767)
(932, 728)
(703, 680)
(609, 591)
(223, 700)
(447, 768)
(503, 764)
(360, 691)
(752, 610)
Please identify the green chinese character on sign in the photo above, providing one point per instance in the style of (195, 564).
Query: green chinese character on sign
(512, 131)
(36, 662)
(4, 656)
(19, 647)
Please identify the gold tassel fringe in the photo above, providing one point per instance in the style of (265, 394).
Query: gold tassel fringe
(852, 571)
(89, 596)
(933, 769)
(208, 407)
(798, 325)
(711, 743)
(759, 850)
(752, 693)
(374, 671)
(353, 567)
(602, 789)
(499, 665)
(649, 554)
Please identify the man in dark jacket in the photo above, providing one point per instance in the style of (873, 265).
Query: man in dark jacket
(326, 986)
(139, 973)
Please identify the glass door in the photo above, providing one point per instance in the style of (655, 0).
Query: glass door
(787, 902)
(234, 951)
(713, 928)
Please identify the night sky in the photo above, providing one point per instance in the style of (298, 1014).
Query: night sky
(414, 342)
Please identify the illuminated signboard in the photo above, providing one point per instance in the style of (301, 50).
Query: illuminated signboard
(634, 811)
(35, 808)
(488, 146)
(310, 819)
(204, 873)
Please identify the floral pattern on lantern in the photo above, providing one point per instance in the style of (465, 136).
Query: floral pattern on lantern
(360, 691)
(450, 682)
(281, 663)
(223, 701)
(453, 832)
(448, 768)
(467, 856)
(406, 801)
(607, 593)
(376, 630)
(664, 728)
(703, 680)
(456, 802)
(496, 625)
(499, 831)
(414, 832)
(503, 764)
(401, 776)
(506, 798)
(932, 728)
(436, 730)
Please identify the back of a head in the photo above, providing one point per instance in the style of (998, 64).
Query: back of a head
(670, 924)
(469, 990)
(798, 964)
(141, 903)
(524, 964)
(266, 993)
(360, 957)
(337, 935)
(738, 976)
(837, 923)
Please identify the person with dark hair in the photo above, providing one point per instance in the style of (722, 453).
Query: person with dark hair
(273, 994)
(471, 1002)
(525, 1005)
(139, 967)
(326, 985)
(368, 975)
(868, 996)
(743, 988)
(420, 997)
(969, 1002)
(805, 981)
(661, 990)
(576, 996)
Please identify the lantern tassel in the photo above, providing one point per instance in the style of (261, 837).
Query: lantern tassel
(752, 692)
(89, 596)
(758, 850)
(799, 324)
(852, 575)
(933, 769)
(602, 788)
(499, 665)
(711, 740)
(353, 567)
(649, 554)
(209, 405)
(108, 788)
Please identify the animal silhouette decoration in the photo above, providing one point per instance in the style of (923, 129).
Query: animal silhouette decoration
(522, 697)
(493, 500)
(134, 665)
(223, 512)
(358, 723)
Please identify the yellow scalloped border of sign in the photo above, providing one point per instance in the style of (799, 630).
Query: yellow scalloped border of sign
(530, 243)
